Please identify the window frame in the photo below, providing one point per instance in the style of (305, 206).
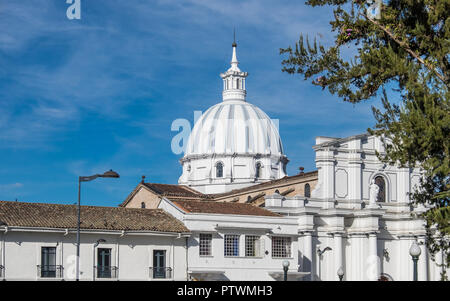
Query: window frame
(258, 170)
(255, 243)
(382, 189)
(54, 265)
(234, 247)
(307, 190)
(103, 270)
(219, 163)
(155, 265)
(209, 245)
(281, 247)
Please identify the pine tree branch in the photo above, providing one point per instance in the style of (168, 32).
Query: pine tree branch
(405, 46)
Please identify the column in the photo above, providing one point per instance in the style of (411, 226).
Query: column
(308, 255)
(325, 164)
(373, 262)
(354, 176)
(338, 255)
(402, 186)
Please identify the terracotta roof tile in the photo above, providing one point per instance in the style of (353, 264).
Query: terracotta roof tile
(92, 217)
(185, 191)
(222, 208)
(265, 184)
(174, 190)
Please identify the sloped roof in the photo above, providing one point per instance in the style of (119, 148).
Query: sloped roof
(222, 208)
(174, 190)
(265, 184)
(92, 217)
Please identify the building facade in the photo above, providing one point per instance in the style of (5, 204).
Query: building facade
(359, 217)
(235, 214)
(38, 242)
(237, 241)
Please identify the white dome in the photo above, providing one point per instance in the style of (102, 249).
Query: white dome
(234, 144)
(234, 127)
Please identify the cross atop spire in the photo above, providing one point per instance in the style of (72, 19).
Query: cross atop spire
(234, 38)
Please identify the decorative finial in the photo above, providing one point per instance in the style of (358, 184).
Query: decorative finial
(234, 38)
(143, 179)
(234, 61)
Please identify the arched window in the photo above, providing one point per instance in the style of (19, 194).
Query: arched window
(307, 191)
(258, 170)
(143, 205)
(277, 191)
(379, 180)
(219, 170)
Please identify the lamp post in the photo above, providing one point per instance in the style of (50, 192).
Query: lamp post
(285, 268)
(340, 273)
(108, 174)
(320, 253)
(415, 252)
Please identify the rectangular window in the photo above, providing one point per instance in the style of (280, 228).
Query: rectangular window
(159, 264)
(205, 244)
(48, 262)
(104, 263)
(252, 246)
(231, 245)
(281, 247)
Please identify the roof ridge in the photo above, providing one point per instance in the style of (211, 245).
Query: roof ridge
(82, 206)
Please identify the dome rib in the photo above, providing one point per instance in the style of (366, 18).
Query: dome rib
(234, 127)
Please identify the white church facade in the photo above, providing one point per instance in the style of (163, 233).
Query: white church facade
(235, 214)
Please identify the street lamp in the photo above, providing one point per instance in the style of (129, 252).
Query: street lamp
(415, 252)
(108, 174)
(340, 273)
(285, 268)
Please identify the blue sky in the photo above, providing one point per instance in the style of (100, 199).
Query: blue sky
(79, 97)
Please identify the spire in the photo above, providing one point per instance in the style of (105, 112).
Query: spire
(234, 61)
(234, 38)
(234, 78)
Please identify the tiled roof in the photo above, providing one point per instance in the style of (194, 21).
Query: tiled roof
(265, 184)
(92, 217)
(222, 208)
(174, 190)
(184, 191)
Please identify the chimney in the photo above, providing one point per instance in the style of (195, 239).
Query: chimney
(301, 170)
(143, 180)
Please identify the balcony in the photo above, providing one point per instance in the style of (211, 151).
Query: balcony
(160, 273)
(50, 271)
(106, 272)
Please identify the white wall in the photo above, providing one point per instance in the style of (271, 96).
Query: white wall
(240, 267)
(132, 254)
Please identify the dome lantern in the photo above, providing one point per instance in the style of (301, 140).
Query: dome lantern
(234, 80)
